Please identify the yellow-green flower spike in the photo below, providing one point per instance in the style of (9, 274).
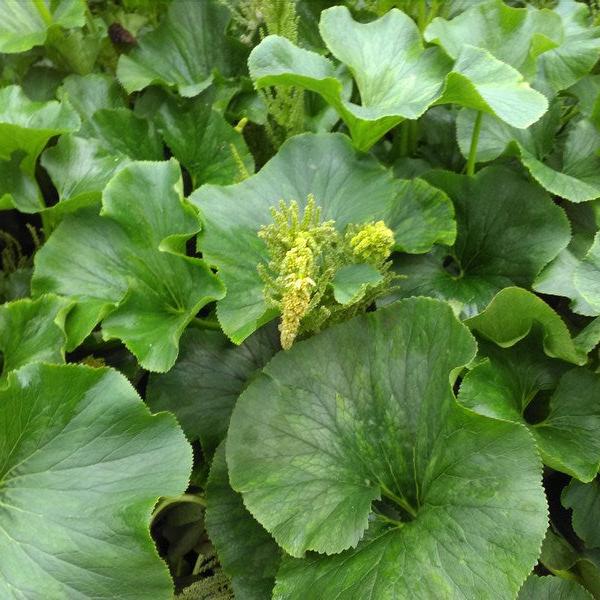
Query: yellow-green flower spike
(372, 243)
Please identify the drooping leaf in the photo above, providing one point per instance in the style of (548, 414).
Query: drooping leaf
(512, 315)
(584, 500)
(247, 553)
(397, 78)
(25, 23)
(327, 432)
(184, 51)
(127, 266)
(84, 462)
(507, 230)
(349, 187)
(552, 588)
(32, 331)
(27, 125)
(202, 387)
(205, 144)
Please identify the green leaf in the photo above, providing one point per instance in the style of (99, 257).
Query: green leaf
(25, 23)
(80, 169)
(587, 276)
(515, 36)
(552, 588)
(247, 553)
(584, 500)
(210, 373)
(567, 437)
(84, 462)
(495, 136)
(18, 189)
(576, 54)
(558, 277)
(184, 51)
(204, 142)
(507, 230)
(350, 188)
(32, 331)
(27, 125)
(512, 315)
(589, 337)
(327, 432)
(120, 131)
(578, 179)
(350, 281)
(396, 77)
(89, 93)
(127, 266)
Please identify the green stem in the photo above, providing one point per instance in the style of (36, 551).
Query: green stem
(43, 11)
(389, 520)
(568, 575)
(398, 500)
(166, 502)
(422, 16)
(205, 323)
(474, 141)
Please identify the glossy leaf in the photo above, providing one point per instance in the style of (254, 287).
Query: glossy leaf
(325, 432)
(247, 553)
(493, 210)
(350, 188)
(25, 23)
(210, 373)
(184, 51)
(84, 462)
(127, 266)
(32, 331)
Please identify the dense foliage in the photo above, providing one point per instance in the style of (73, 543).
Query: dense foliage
(300, 299)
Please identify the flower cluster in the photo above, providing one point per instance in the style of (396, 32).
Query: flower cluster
(305, 255)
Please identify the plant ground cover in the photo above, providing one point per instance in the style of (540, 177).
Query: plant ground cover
(299, 299)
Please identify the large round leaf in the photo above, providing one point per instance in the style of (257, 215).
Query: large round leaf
(127, 265)
(82, 464)
(359, 425)
(507, 230)
(350, 188)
